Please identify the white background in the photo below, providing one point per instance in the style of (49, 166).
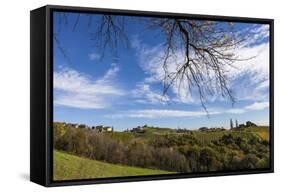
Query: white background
(14, 95)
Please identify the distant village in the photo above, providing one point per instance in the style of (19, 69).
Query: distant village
(99, 128)
(232, 126)
(141, 129)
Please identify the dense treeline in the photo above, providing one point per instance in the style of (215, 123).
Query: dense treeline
(180, 152)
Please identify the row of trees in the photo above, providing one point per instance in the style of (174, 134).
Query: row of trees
(248, 124)
(182, 153)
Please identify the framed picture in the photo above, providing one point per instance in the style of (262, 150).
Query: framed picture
(119, 95)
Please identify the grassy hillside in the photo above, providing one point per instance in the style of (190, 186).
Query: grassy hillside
(158, 149)
(262, 131)
(67, 167)
(203, 137)
(207, 137)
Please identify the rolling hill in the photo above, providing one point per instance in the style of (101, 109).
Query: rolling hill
(68, 167)
(152, 150)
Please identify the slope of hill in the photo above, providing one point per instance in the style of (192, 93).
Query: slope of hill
(261, 131)
(153, 148)
(203, 137)
(67, 167)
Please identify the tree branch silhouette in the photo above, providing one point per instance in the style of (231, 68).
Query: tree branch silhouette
(207, 49)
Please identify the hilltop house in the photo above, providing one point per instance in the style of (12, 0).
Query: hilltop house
(138, 129)
(102, 128)
(248, 124)
(74, 125)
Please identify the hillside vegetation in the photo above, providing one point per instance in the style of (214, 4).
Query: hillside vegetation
(181, 151)
(67, 167)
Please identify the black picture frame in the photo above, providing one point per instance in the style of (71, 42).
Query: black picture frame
(41, 96)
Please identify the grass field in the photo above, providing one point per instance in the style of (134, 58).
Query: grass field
(202, 137)
(207, 137)
(262, 131)
(158, 149)
(69, 167)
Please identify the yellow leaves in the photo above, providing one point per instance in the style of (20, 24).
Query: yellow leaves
(59, 129)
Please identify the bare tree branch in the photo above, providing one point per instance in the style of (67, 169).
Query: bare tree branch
(207, 49)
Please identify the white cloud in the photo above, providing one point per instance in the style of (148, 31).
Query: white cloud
(158, 113)
(258, 106)
(78, 90)
(257, 64)
(144, 94)
(235, 111)
(248, 78)
(151, 60)
(252, 107)
(94, 56)
(256, 34)
(167, 113)
(110, 74)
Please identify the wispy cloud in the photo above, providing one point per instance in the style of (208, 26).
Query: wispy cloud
(79, 90)
(151, 61)
(167, 113)
(257, 106)
(157, 113)
(252, 107)
(248, 79)
(93, 56)
(144, 94)
(256, 34)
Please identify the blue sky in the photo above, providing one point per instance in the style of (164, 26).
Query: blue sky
(126, 91)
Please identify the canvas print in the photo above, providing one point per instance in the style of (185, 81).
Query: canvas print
(141, 96)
